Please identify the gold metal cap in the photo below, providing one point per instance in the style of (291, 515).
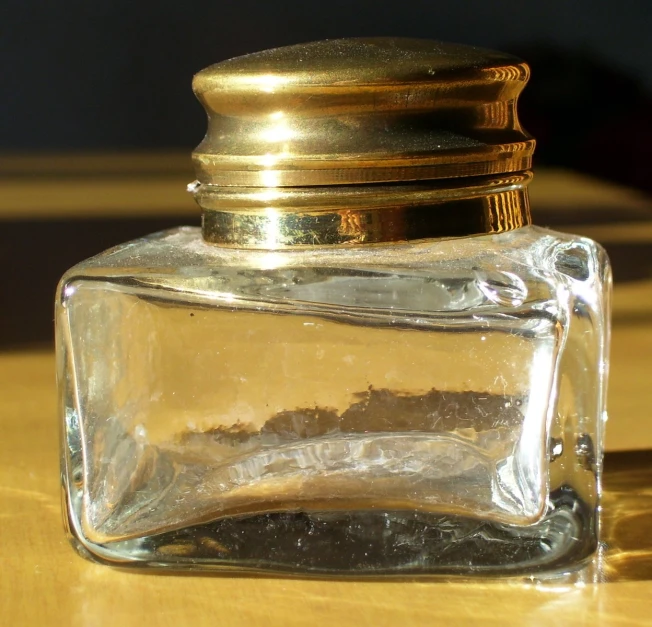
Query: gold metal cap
(361, 111)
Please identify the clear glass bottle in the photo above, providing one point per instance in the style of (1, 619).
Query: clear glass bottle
(367, 361)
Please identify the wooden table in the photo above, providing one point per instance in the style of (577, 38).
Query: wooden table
(43, 582)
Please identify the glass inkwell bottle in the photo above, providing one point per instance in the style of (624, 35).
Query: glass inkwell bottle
(367, 361)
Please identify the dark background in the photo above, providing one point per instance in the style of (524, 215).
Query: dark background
(115, 74)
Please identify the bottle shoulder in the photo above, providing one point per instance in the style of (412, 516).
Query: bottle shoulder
(505, 270)
(184, 247)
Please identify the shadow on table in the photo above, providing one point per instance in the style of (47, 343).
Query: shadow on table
(627, 517)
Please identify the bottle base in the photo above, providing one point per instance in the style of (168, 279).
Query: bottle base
(366, 544)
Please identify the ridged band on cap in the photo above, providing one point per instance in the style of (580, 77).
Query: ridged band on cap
(303, 217)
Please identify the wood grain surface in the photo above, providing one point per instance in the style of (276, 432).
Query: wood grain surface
(43, 582)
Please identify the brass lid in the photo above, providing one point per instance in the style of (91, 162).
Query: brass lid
(361, 111)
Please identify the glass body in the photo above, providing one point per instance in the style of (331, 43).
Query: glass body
(432, 407)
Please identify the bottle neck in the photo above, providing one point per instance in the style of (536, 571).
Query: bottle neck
(303, 217)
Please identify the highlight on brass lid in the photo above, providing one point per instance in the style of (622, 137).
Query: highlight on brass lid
(361, 111)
